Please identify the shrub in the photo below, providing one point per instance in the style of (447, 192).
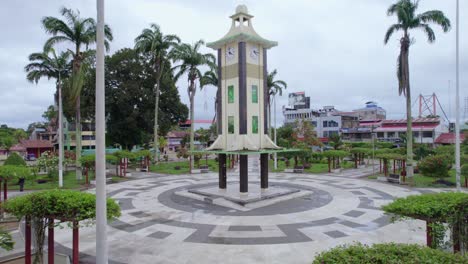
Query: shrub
(6, 241)
(388, 254)
(15, 159)
(436, 166)
(11, 172)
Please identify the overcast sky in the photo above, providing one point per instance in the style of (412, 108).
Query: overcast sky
(331, 49)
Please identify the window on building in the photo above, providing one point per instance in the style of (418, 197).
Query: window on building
(427, 134)
(332, 123)
(332, 133)
(314, 123)
(231, 124)
(390, 134)
(416, 134)
(325, 124)
(325, 133)
(254, 124)
(230, 94)
(254, 94)
(380, 134)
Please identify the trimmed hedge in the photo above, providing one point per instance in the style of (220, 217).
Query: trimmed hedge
(15, 159)
(10, 172)
(65, 205)
(387, 254)
(436, 166)
(430, 207)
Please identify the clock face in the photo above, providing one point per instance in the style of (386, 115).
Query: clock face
(230, 52)
(254, 53)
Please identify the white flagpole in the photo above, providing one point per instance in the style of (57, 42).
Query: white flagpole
(457, 102)
(101, 205)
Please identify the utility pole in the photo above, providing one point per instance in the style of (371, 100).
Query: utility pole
(101, 205)
(457, 101)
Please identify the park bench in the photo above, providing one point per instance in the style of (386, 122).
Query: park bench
(298, 169)
(204, 169)
(393, 178)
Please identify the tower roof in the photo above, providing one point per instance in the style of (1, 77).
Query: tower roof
(242, 30)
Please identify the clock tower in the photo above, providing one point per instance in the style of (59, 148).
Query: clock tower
(242, 97)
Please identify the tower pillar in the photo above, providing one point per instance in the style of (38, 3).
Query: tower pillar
(244, 174)
(264, 171)
(222, 171)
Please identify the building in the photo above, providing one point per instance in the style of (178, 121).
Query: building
(361, 132)
(371, 112)
(88, 135)
(425, 130)
(36, 147)
(174, 140)
(326, 121)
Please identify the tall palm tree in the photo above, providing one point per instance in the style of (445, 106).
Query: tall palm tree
(191, 60)
(210, 78)
(81, 33)
(152, 41)
(405, 10)
(274, 87)
(48, 64)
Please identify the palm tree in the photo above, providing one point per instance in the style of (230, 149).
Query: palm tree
(80, 32)
(210, 77)
(405, 10)
(159, 46)
(191, 60)
(48, 65)
(274, 87)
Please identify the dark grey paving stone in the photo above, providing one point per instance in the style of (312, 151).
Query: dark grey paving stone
(160, 234)
(354, 213)
(335, 234)
(245, 228)
(351, 224)
(357, 193)
(139, 214)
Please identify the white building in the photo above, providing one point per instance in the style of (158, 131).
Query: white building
(425, 130)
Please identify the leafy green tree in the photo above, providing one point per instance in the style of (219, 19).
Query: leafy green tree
(274, 87)
(20, 134)
(191, 60)
(335, 141)
(130, 84)
(15, 159)
(8, 142)
(159, 47)
(405, 10)
(436, 166)
(81, 33)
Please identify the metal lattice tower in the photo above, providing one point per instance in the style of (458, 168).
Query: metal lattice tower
(428, 106)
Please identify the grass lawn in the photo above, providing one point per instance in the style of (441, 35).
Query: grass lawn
(421, 181)
(169, 167)
(69, 182)
(314, 168)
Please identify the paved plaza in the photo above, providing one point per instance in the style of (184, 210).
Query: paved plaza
(161, 224)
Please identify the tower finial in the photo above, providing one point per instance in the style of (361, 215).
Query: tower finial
(242, 9)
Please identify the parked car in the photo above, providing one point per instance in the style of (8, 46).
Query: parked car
(30, 157)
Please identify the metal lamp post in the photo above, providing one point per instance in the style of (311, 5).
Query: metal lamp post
(274, 118)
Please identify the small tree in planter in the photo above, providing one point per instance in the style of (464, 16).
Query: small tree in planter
(334, 157)
(359, 155)
(123, 157)
(42, 208)
(436, 166)
(437, 209)
(10, 172)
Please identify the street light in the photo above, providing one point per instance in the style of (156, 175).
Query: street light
(60, 131)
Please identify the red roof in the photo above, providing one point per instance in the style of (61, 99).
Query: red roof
(30, 143)
(448, 138)
(323, 140)
(416, 120)
(18, 148)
